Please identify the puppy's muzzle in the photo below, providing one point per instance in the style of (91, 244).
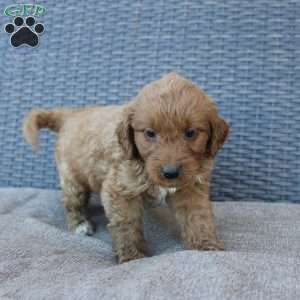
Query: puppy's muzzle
(170, 171)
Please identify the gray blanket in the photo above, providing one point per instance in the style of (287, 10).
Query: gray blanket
(40, 259)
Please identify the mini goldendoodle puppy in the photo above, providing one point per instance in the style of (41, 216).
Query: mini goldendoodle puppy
(164, 140)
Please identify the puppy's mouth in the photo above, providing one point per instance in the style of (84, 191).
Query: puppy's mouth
(170, 175)
(177, 183)
(167, 184)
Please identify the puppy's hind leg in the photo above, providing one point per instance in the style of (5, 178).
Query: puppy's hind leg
(75, 200)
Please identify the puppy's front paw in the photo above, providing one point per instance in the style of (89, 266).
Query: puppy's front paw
(131, 256)
(84, 228)
(207, 245)
(131, 252)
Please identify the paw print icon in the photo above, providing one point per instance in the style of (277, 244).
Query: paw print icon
(24, 31)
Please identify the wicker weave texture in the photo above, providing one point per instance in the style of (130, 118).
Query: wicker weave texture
(245, 54)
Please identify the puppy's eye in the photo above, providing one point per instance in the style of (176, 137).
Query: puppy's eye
(190, 133)
(150, 134)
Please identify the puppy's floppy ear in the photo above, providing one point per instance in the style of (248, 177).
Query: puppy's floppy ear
(125, 134)
(219, 131)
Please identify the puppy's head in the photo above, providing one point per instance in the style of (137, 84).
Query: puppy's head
(174, 128)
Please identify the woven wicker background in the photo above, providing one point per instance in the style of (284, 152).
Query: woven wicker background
(245, 54)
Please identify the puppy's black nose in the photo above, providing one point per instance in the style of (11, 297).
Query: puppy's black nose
(170, 171)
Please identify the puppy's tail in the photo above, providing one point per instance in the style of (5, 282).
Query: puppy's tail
(37, 119)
